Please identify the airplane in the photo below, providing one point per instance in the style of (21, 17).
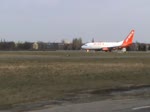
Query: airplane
(109, 46)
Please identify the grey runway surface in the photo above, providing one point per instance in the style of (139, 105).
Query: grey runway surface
(125, 105)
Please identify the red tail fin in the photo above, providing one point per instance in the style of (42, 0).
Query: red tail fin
(129, 39)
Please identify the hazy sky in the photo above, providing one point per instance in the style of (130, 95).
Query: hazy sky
(54, 20)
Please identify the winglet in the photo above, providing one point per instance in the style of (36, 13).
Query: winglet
(128, 40)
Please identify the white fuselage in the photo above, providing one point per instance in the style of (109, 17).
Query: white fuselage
(100, 45)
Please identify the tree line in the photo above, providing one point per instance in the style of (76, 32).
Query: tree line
(74, 45)
(139, 47)
(15, 46)
(10, 45)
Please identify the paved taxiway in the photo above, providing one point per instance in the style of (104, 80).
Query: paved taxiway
(124, 105)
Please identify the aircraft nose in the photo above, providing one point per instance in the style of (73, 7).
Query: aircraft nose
(83, 46)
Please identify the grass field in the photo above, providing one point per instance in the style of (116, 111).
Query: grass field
(36, 76)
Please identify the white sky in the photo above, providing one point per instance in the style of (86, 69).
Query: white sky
(54, 20)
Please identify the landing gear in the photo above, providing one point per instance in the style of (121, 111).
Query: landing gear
(124, 50)
(87, 50)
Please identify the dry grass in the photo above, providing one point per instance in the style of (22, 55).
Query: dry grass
(34, 76)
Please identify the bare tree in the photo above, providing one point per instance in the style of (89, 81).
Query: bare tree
(76, 43)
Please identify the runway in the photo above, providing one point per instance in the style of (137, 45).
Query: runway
(124, 105)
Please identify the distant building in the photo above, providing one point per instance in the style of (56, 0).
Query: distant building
(147, 47)
(35, 46)
(61, 46)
